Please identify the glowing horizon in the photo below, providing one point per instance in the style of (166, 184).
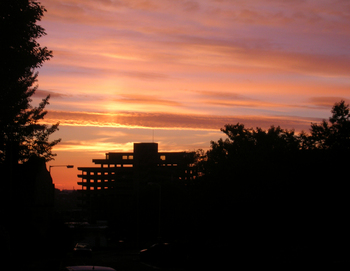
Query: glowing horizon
(186, 68)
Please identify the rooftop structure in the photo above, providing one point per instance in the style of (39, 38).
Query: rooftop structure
(117, 177)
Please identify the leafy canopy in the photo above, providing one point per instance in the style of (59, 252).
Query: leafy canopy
(334, 134)
(245, 147)
(22, 133)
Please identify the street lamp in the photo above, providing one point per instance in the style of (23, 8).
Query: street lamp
(67, 166)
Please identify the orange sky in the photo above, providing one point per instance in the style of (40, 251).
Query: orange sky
(124, 71)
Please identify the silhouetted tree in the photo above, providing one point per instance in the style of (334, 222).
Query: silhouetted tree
(277, 195)
(247, 147)
(335, 134)
(21, 133)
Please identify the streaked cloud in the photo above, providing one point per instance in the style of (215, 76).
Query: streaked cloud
(172, 121)
(327, 102)
(147, 100)
(40, 93)
(185, 68)
(93, 147)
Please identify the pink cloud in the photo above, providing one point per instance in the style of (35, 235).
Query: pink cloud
(190, 66)
(41, 93)
(327, 102)
(173, 121)
(146, 99)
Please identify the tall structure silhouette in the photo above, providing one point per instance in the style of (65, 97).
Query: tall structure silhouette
(113, 185)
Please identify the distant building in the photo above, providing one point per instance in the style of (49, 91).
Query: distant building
(112, 186)
(27, 206)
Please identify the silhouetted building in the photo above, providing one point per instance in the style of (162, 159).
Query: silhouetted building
(113, 186)
(27, 203)
(35, 190)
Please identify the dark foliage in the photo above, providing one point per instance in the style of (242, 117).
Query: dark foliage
(276, 197)
(21, 133)
(334, 134)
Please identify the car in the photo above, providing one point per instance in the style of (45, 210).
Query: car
(88, 268)
(82, 250)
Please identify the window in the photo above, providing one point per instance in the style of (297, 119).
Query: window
(124, 157)
(131, 157)
(162, 157)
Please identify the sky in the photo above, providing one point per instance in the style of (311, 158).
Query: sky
(175, 72)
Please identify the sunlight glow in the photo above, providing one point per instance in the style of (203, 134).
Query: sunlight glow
(185, 68)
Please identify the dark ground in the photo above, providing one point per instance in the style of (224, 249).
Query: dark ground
(129, 261)
(121, 261)
(126, 260)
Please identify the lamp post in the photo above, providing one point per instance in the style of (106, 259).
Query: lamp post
(67, 166)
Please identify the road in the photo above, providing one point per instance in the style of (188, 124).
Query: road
(121, 261)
